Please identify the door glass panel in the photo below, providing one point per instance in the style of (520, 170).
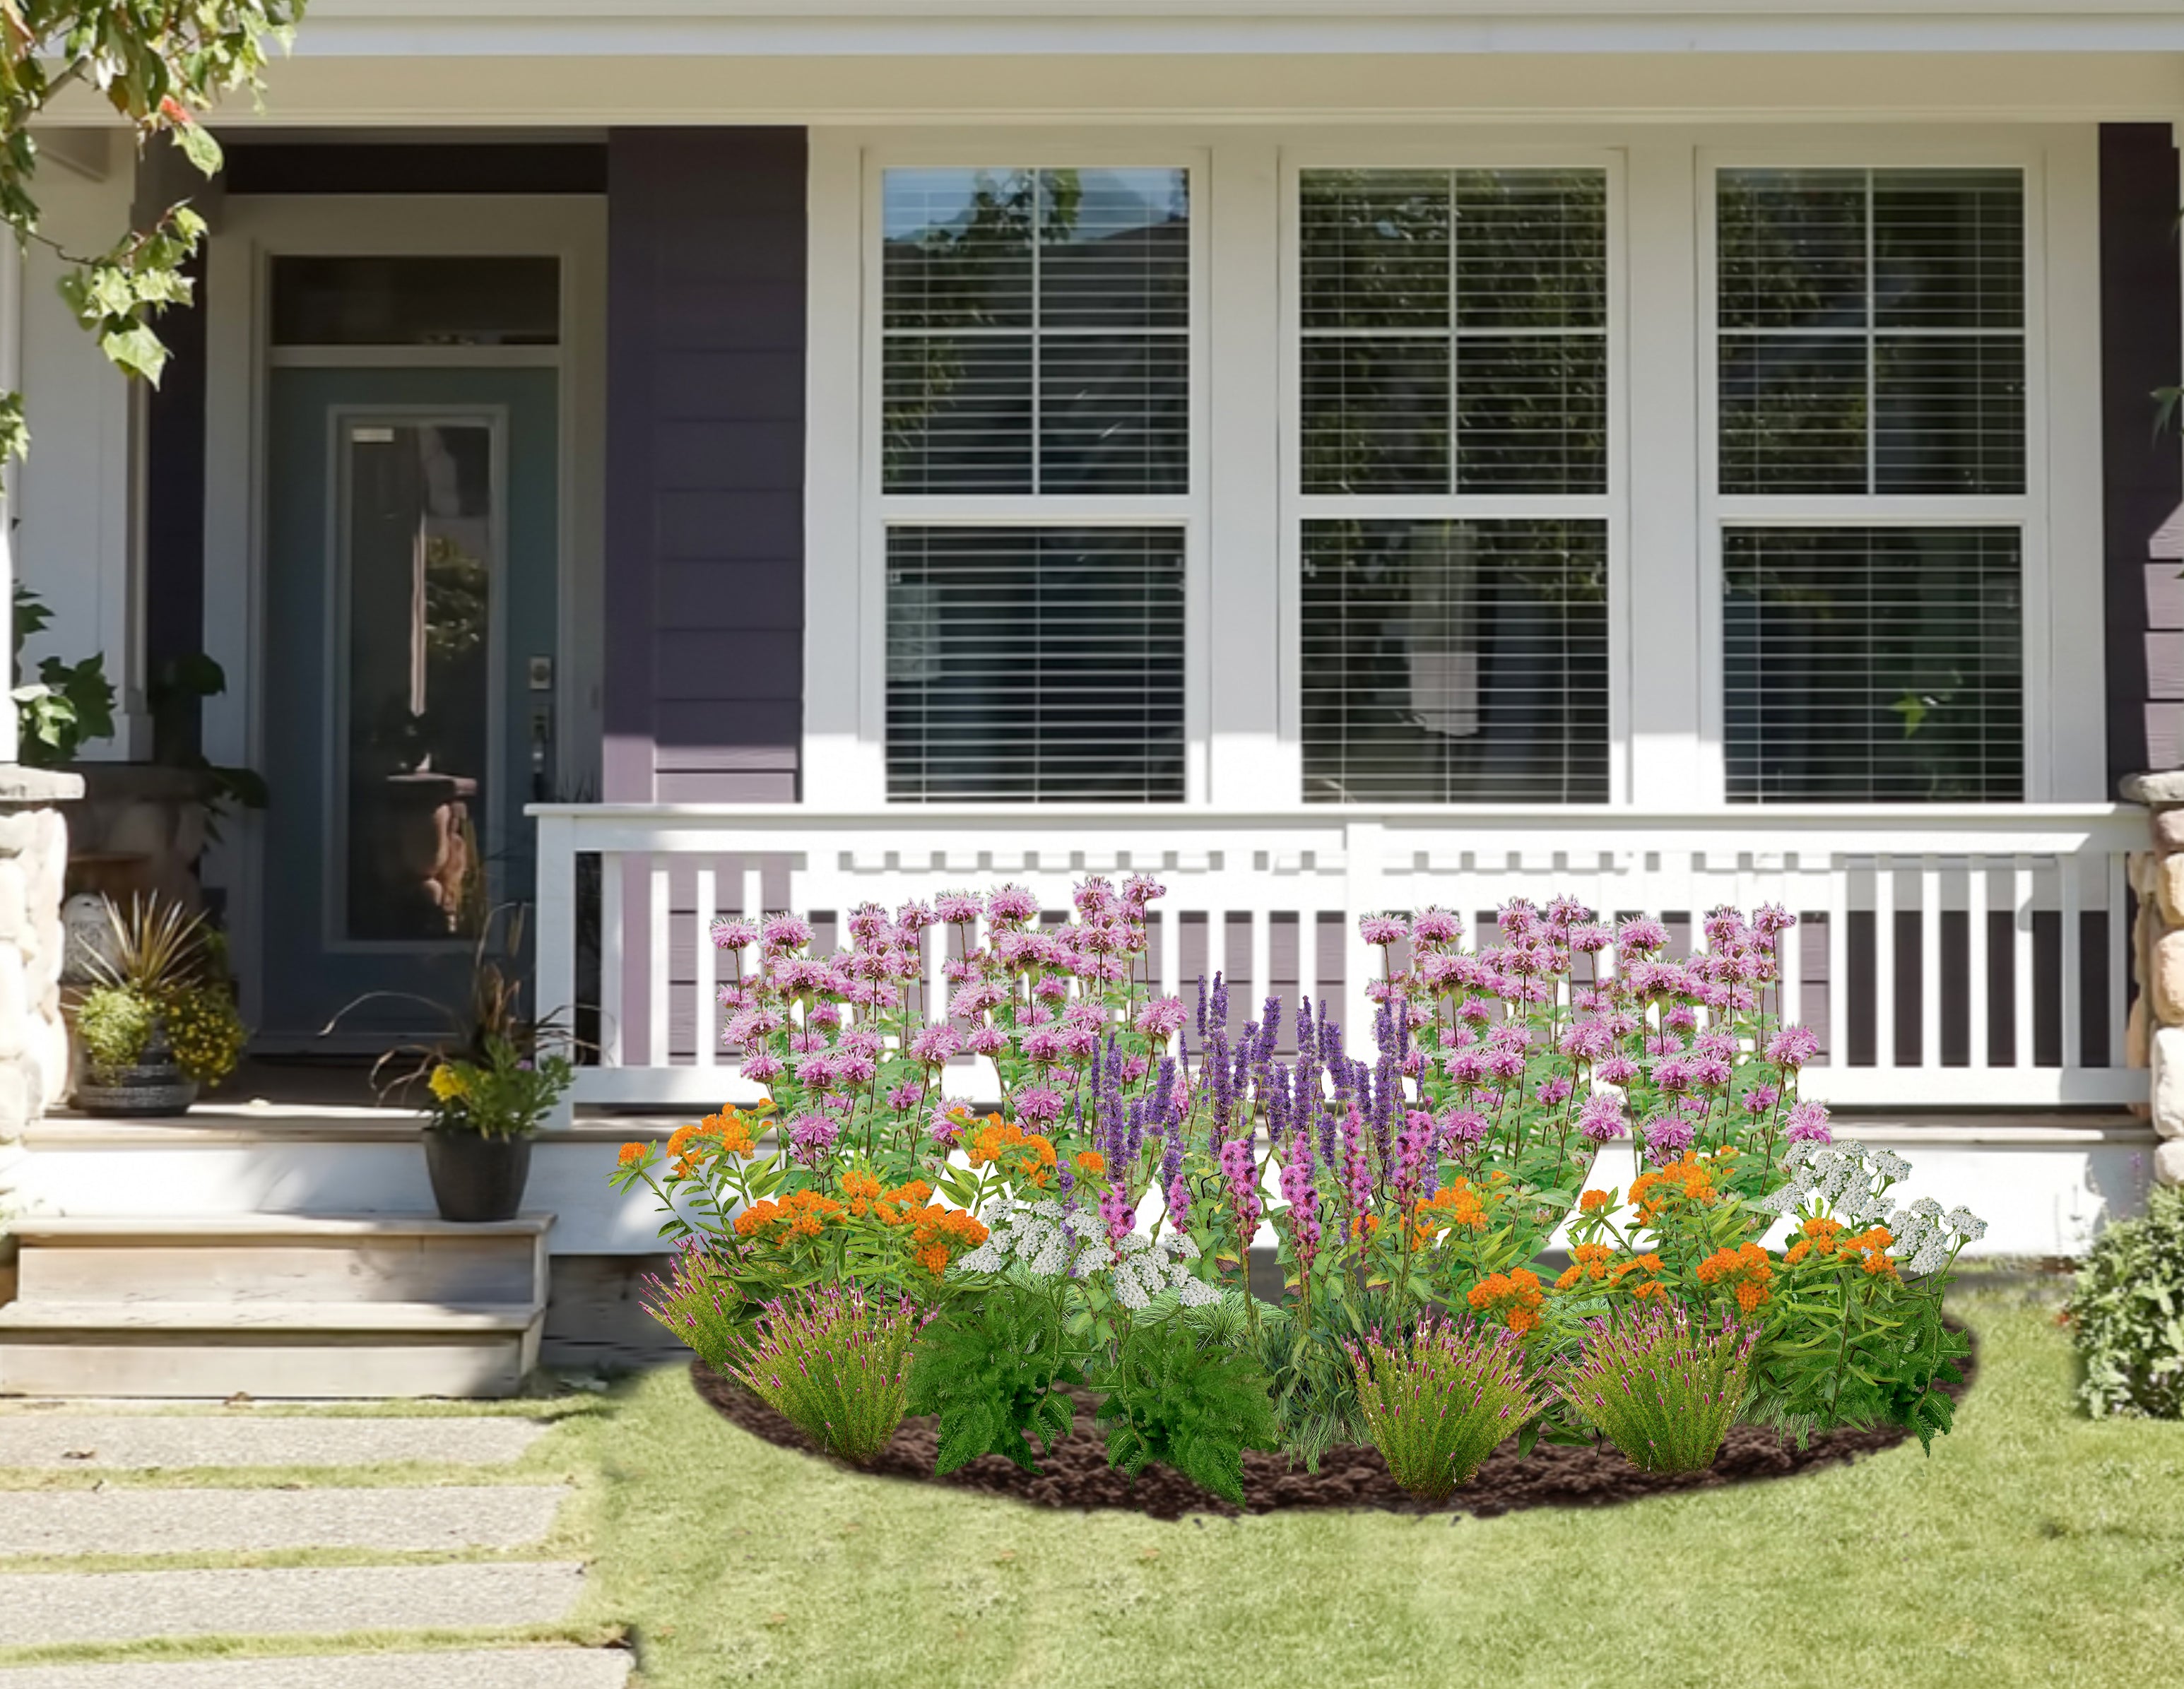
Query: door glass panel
(416, 301)
(418, 508)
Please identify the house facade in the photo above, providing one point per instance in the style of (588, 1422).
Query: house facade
(713, 456)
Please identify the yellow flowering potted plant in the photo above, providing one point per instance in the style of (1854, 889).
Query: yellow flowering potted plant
(485, 1110)
(160, 1020)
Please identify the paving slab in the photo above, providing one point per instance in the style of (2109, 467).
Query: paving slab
(464, 1668)
(42, 1608)
(206, 1521)
(146, 1441)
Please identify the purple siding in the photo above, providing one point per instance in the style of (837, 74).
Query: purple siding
(704, 562)
(2142, 476)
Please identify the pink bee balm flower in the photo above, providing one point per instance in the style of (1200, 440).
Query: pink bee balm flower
(955, 908)
(1436, 926)
(935, 1045)
(988, 1040)
(1641, 935)
(1601, 1120)
(1162, 1019)
(1808, 1124)
(785, 932)
(1039, 1105)
(1793, 1046)
(1382, 930)
(1011, 906)
(730, 932)
(764, 1067)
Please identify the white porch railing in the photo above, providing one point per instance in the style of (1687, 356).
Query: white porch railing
(1948, 957)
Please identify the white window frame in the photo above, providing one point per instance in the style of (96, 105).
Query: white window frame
(881, 510)
(1610, 506)
(2061, 630)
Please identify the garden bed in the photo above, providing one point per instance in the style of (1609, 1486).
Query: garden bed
(1077, 1475)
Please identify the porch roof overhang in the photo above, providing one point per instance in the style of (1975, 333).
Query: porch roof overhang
(560, 63)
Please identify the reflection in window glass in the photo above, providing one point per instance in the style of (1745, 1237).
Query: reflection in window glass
(395, 301)
(1455, 331)
(418, 510)
(1456, 662)
(1872, 330)
(1874, 664)
(1035, 329)
(1035, 663)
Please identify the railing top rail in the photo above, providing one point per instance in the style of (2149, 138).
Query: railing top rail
(1753, 817)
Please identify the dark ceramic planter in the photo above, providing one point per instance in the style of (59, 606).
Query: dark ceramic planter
(153, 1085)
(477, 1178)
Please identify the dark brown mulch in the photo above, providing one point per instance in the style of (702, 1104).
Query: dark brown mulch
(1078, 1475)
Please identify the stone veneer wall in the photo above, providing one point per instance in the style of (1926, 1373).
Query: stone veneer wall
(2156, 1034)
(34, 1045)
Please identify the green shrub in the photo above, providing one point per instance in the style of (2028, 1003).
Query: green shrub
(1184, 1392)
(2127, 1311)
(995, 1369)
(114, 1025)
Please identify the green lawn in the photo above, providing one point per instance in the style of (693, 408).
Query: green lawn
(2033, 1548)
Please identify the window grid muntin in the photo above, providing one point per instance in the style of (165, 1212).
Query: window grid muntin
(1873, 331)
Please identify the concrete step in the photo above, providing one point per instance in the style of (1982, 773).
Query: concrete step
(132, 1521)
(317, 1259)
(43, 1609)
(339, 1350)
(453, 1669)
(42, 1440)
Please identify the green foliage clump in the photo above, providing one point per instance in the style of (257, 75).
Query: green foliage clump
(1662, 1389)
(115, 1025)
(1184, 1391)
(2127, 1311)
(1438, 1405)
(702, 1305)
(997, 1370)
(835, 1363)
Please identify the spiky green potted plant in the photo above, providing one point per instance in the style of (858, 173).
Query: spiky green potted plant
(160, 1020)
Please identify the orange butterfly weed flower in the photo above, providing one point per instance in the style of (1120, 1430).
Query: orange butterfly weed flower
(1514, 1296)
(1744, 1271)
(1690, 1179)
(1091, 1161)
(1593, 1202)
(1588, 1264)
(631, 1154)
(1451, 1206)
(801, 1214)
(733, 1130)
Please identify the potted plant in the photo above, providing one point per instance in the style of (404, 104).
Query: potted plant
(485, 1111)
(160, 1022)
(495, 1077)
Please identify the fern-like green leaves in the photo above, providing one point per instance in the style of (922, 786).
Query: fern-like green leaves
(1181, 1393)
(997, 1370)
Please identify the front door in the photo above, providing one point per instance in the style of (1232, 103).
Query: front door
(411, 569)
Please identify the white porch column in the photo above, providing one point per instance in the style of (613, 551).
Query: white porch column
(1666, 661)
(1250, 764)
(76, 545)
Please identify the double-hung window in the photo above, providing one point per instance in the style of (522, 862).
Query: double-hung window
(1451, 484)
(1870, 482)
(1035, 470)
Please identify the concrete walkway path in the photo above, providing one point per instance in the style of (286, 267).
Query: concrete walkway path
(90, 1441)
(134, 1521)
(55, 1607)
(465, 1669)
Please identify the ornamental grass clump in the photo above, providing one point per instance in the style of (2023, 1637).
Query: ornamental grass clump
(1438, 1405)
(835, 1363)
(1661, 1388)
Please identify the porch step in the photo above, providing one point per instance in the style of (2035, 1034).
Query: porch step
(282, 1258)
(272, 1305)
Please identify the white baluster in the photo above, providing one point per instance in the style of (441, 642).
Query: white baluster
(2118, 965)
(1978, 1014)
(2068, 864)
(705, 999)
(1929, 964)
(2020, 959)
(613, 1002)
(658, 971)
(1838, 963)
(1884, 961)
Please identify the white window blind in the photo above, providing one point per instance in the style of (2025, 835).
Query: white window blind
(1871, 351)
(1036, 345)
(1874, 664)
(1035, 665)
(1037, 331)
(1455, 331)
(1872, 330)
(1455, 661)
(1451, 484)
